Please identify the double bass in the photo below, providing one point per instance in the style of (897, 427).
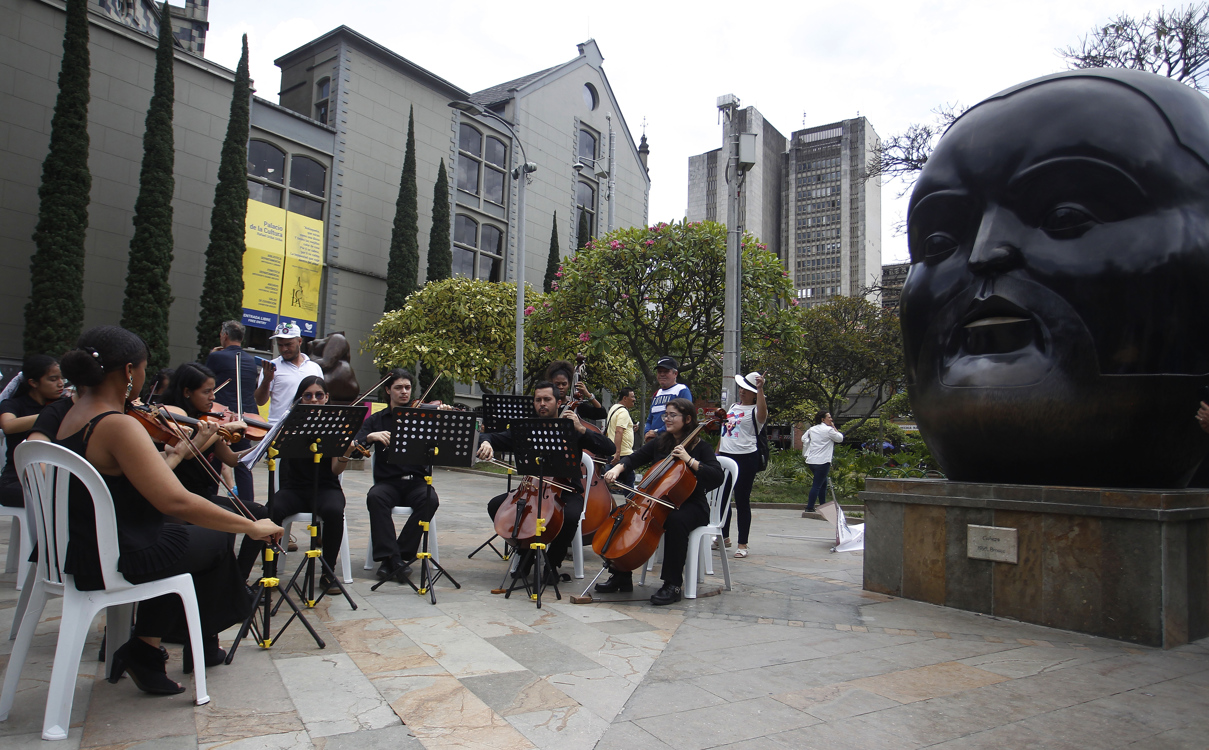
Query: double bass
(638, 523)
(598, 500)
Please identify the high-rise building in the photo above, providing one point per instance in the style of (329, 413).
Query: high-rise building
(760, 203)
(893, 276)
(831, 215)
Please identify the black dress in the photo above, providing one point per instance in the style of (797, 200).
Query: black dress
(10, 485)
(151, 549)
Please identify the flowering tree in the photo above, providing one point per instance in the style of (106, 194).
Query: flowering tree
(659, 290)
(466, 330)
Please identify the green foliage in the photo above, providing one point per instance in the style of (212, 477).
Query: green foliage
(898, 406)
(403, 266)
(844, 354)
(553, 260)
(659, 290)
(583, 236)
(440, 253)
(222, 287)
(466, 329)
(867, 432)
(148, 291)
(54, 315)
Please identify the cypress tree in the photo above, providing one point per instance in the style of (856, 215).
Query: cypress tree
(584, 236)
(554, 259)
(54, 315)
(222, 288)
(440, 254)
(403, 267)
(148, 293)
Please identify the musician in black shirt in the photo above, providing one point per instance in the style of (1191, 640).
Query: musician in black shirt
(395, 485)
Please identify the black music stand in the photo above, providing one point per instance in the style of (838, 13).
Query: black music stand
(543, 448)
(430, 437)
(499, 411)
(317, 432)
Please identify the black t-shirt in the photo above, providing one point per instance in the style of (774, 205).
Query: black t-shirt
(18, 406)
(384, 470)
(51, 417)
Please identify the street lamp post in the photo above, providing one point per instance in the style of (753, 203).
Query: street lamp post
(520, 173)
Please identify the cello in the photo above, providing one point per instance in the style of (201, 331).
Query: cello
(638, 523)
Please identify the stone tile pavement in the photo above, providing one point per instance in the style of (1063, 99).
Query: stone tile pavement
(796, 656)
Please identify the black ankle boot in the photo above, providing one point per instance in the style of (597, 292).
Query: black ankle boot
(669, 594)
(215, 655)
(145, 665)
(617, 581)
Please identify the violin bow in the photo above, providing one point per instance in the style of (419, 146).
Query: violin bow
(430, 387)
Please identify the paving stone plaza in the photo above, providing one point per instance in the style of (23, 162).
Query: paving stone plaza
(795, 656)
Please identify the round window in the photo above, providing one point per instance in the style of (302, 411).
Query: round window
(590, 97)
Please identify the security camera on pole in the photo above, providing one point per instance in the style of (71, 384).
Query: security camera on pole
(741, 154)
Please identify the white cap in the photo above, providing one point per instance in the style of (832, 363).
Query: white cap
(747, 382)
(287, 331)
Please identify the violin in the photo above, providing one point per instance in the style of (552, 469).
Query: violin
(256, 428)
(638, 524)
(151, 420)
(177, 415)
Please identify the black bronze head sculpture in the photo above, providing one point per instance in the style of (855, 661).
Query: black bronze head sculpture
(1055, 315)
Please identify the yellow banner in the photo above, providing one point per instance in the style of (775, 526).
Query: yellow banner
(263, 264)
(303, 272)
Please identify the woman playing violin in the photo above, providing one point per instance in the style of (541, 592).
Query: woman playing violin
(680, 419)
(191, 391)
(298, 485)
(111, 362)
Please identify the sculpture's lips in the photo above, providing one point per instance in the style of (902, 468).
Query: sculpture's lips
(994, 325)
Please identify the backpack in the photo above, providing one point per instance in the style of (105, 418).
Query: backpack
(762, 445)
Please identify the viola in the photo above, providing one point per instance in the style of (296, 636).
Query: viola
(638, 524)
(177, 415)
(151, 420)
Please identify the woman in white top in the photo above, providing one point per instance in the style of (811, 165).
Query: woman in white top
(743, 423)
(818, 445)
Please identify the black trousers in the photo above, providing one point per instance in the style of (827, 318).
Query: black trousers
(749, 466)
(249, 548)
(679, 524)
(11, 494)
(243, 476)
(411, 493)
(573, 508)
(221, 595)
(330, 506)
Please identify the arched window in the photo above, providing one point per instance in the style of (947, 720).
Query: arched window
(266, 172)
(470, 144)
(587, 146)
(478, 250)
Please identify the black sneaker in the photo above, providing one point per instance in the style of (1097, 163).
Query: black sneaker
(617, 582)
(669, 594)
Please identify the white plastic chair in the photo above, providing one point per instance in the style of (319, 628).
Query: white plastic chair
(577, 544)
(45, 470)
(404, 511)
(700, 558)
(20, 540)
(697, 565)
(345, 561)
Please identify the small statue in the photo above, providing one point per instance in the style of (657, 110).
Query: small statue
(1052, 317)
(335, 357)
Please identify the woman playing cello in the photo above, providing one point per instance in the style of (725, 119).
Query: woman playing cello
(680, 419)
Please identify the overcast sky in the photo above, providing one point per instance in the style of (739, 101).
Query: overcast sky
(668, 61)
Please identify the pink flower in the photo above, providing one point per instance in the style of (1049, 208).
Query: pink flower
(553, 286)
(650, 242)
(793, 302)
(614, 244)
(783, 273)
(530, 310)
(546, 304)
(625, 296)
(584, 337)
(558, 275)
(546, 348)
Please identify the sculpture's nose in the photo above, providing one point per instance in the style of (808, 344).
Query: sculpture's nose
(997, 248)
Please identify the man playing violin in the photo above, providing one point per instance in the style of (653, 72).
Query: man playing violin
(395, 485)
(545, 403)
(680, 418)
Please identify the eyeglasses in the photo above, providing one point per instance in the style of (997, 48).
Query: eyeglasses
(669, 416)
(313, 396)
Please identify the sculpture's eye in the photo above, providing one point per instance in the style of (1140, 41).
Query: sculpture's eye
(938, 246)
(1068, 221)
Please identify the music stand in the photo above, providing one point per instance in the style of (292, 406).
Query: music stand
(499, 411)
(430, 437)
(543, 448)
(320, 432)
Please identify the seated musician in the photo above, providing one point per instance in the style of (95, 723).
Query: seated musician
(545, 403)
(395, 485)
(560, 372)
(680, 419)
(191, 391)
(298, 485)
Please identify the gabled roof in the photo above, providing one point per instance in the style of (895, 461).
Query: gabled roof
(503, 92)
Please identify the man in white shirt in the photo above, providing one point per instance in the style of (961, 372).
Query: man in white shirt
(280, 377)
(666, 372)
(619, 427)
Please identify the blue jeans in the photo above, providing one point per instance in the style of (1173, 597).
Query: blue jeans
(819, 488)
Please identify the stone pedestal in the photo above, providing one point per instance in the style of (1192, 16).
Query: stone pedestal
(1126, 564)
